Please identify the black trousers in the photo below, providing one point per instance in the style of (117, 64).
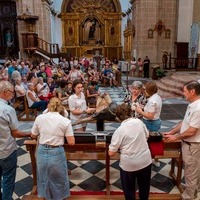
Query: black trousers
(128, 180)
(146, 71)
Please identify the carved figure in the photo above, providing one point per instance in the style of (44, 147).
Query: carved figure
(92, 30)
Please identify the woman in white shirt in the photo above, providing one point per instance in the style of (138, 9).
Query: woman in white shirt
(152, 110)
(130, 139)
(77, 105)
(43, 90)
(52, 129)
(33, 100)
(75, 74)
(19, 89)
(133, 67)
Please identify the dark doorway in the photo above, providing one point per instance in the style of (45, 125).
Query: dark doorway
(8, 29)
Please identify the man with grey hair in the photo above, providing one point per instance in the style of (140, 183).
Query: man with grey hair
(188, 131)
(8, 147)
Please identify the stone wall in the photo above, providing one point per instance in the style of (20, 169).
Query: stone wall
(196, 13)
(40, 8)
(146, 15)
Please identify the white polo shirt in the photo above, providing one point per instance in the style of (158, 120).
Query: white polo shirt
(192, 119)
(76, 102)
(154, 105)
(52, 128)
(131, 140)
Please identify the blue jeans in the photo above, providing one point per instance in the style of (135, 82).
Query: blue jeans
(7, 174)
(40, 104)
(52, 173)
(152, 125)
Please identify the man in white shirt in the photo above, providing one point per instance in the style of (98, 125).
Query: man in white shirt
(189, 132)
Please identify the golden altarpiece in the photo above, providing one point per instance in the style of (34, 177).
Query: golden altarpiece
(129, 33)
(91, 26)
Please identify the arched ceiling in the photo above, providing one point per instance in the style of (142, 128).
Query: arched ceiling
(80, 6)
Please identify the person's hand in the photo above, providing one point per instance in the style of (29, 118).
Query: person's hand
(90, 110)
(138, 109)
(166, 133)
(170, 138)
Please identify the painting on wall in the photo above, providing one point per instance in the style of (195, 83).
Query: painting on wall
(150, 33)
(167, 33)
(160, 27)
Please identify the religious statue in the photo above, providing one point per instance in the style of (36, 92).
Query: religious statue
(8, 38)
(165, 59)
(92, 30)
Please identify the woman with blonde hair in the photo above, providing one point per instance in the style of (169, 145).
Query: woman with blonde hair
(52, 129)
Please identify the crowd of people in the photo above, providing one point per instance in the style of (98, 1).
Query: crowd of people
(51, 88)
(140, 68)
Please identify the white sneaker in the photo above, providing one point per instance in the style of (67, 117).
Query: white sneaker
(156, 163)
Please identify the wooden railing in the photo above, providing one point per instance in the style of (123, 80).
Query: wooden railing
(31, 43)
(180, 63)
(49, 48)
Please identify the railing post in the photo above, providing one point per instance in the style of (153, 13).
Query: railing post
(50, 48)
(170, 62)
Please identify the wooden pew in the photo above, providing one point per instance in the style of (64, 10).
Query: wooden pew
(27, 114)
(99, 151)
(19, 106)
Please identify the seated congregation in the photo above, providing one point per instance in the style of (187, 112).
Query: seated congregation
(45, 80)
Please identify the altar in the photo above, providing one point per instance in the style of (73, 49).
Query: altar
(89, 26)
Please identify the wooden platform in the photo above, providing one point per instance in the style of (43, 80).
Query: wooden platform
(111, 197)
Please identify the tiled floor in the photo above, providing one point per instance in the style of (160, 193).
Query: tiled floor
(90, 175)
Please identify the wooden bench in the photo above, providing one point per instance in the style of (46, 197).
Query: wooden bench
(19, 106)
(92, 152)
(26, 114)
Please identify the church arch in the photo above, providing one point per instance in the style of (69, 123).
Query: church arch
(67, 8)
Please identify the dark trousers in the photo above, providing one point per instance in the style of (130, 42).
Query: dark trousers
(7, 176)
(128, 180)
(146, 71)
(40, 104)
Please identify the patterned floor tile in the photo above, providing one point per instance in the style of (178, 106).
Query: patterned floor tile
(93, 184)
(23, 186)
(93, 166)
(162, 183)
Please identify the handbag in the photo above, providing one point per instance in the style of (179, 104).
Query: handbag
(155, 137)
(156, 144)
